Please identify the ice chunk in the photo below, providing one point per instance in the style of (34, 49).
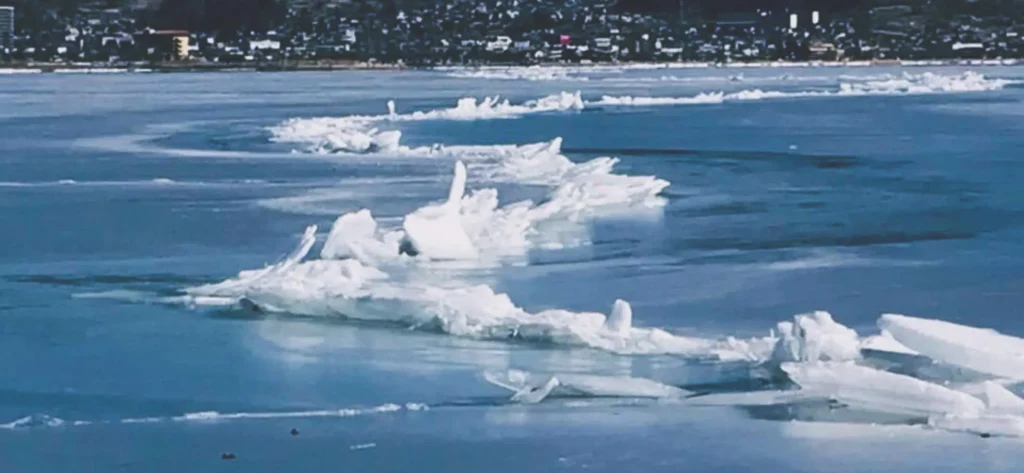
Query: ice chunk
(701, 98)
(470, 108)
(815, 337)
(458, 187)
(316, 288)
(300, 252)
(386, 141)
(621, 319)
(237, 286)
(32, 421)
(872, 390)
(981, 350)
(994, 425)
(436, 231)
(329, 135)
(354, 235)
(532, 388)
(884, 342)
(619, 386)
(996, 397)
(533, 395)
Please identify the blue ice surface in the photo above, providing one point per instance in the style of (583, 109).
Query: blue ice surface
(856, 205)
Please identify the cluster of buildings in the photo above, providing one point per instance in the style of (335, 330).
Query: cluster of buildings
(6, 26)
(513, 31)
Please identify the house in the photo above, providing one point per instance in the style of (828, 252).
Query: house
(264, 45)
(499, 44)
(170, 44)
(823, 51)
(349, 35)
(671, 52)
(958, 46)
(969, 50)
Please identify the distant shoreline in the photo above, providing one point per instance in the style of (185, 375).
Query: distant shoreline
(45, 68)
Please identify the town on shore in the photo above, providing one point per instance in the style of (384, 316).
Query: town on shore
(59, 35)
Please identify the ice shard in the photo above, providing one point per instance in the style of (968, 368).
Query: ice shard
(978, 349)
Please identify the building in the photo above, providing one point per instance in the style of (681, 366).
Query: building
(167, 44)
(821, 50)
(6, 27)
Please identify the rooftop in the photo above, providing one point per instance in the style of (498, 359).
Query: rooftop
(166, 33)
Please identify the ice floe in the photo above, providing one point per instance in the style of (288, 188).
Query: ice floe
(981, 350)
(531, 388)
(825, 364)
(874, 390)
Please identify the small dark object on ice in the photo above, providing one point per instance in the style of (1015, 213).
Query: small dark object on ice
(295, 431)
(986, 435)
(227, 456)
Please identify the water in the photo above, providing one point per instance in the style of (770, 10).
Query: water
(117, 192)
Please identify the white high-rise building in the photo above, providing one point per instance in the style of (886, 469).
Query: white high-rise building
(6, 27)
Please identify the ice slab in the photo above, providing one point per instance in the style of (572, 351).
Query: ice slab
(531, 388)
(997, 398)
(981, 350)
(884, 342)
(621, 318)
(985, 425)
(237, 286)
(873, 390)
(356, 235)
